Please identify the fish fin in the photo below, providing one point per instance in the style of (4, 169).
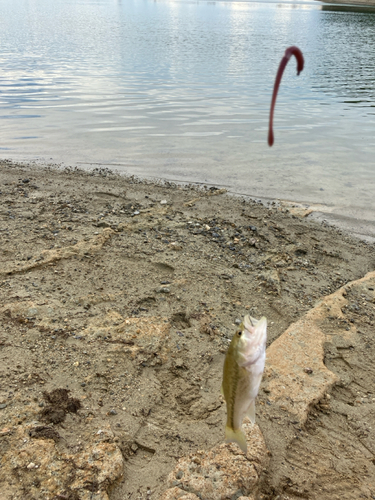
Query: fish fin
(251, 411)
(236, 436)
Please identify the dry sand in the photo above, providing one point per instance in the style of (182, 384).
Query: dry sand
(118, 299)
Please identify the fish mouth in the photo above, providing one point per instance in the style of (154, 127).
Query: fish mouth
(254, 330)
(249, 323)
(252, 320)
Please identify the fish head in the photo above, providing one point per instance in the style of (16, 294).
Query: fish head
(249, 341)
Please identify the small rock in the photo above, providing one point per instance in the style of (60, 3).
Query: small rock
(175, 246)
(2, 406)
(163, 202)
(222, 472)
(179, 363)
(163, 290)
(308, 370)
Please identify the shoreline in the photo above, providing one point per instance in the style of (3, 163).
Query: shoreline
(342, 218)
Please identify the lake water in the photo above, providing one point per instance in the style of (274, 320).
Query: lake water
(180, 90)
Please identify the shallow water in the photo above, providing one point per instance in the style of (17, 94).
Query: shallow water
(181, 90)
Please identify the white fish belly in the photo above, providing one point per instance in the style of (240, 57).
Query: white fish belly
(247, 390)
(242, 401)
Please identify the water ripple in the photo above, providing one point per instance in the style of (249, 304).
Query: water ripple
(179, 88)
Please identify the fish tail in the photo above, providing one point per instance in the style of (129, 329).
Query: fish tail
(236, 436)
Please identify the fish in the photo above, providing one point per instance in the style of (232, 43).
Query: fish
(242, 375)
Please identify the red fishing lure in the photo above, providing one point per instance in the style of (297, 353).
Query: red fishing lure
(291, 51)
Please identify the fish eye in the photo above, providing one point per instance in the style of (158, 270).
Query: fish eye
(239, 333)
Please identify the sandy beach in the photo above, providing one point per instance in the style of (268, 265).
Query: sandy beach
(119, 298)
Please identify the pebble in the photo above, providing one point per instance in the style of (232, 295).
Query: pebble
(179, 363)
(2, 406)
(163, 290)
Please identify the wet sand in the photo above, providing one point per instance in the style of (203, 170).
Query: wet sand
(118, 300)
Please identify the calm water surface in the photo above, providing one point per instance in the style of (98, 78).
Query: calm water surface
(180, 90)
